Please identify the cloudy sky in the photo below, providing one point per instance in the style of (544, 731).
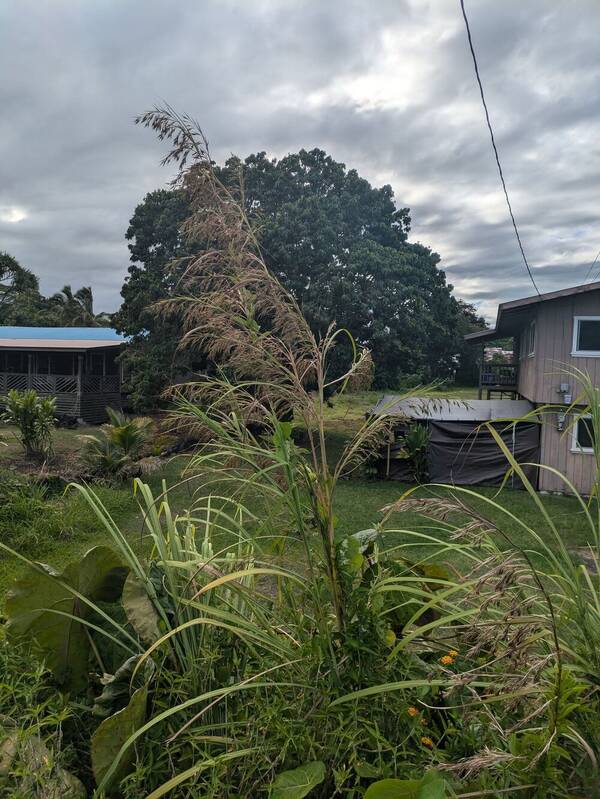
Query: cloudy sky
(386, 87)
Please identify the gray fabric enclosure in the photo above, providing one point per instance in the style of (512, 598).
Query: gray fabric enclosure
(461, 450)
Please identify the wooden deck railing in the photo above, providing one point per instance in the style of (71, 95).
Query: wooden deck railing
(499, 374)
(59, 384)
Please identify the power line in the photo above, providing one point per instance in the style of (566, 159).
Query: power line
(592, 265)
(489, 124)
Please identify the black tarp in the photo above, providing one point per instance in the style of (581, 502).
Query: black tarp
(463, 453)
(461, 450)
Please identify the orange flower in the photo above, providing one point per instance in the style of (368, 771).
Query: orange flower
(453, 653)
(446, 660)
(427, 742)
(412, 711)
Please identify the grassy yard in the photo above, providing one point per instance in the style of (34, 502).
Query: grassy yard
(358, 501)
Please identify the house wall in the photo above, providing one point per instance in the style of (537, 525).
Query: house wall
(555, 450)
(540, 374)
(93, 406)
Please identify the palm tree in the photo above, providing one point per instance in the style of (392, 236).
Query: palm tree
(77, 309)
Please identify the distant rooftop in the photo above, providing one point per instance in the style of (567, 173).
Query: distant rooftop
(58, 338)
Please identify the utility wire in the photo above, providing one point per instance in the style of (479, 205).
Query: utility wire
(489, 124)
(592, 265)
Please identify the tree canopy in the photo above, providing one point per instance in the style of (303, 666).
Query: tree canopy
(339, 244)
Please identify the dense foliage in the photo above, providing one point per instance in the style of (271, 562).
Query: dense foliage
(338, 244)
(36, 725)
(21, 302)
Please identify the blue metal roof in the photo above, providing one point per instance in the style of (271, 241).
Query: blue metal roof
(60, 333)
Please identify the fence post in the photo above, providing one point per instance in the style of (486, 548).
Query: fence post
(79, 383)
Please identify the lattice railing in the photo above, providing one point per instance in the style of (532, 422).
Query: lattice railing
(59, 384)
(100, 384)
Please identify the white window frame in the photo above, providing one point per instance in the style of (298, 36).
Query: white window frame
(531, 326)
(575, 352)
(575, 447)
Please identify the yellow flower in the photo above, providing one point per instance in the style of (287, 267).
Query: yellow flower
(446, 660)
(427, 742)
(453, 653)
(412, 712)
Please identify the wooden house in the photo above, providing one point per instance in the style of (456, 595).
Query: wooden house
(552, 333)
(76, 365)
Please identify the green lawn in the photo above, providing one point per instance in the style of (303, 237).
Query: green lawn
(358, 501)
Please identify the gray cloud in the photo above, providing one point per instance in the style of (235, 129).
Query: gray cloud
(385, 86)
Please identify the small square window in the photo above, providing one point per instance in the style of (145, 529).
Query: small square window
(583, 435)
(586, 335)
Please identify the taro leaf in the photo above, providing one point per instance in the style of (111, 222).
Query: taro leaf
(112, 734)
(63, 641)
(118, 688)
(431, 786)
(298, 782)
(139, 610)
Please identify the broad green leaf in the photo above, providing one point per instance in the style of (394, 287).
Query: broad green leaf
(40, 606)
(431, 786)
(393, 789)
(298, 782)
(112, 734)
(139, 610)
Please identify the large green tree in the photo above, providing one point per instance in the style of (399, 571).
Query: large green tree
(154, 241)
(338, 243)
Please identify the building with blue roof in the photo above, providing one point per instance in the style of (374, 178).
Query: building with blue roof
(78, 366)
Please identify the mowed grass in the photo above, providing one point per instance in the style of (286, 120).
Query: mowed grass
(359, 501)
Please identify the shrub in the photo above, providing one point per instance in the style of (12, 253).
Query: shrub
(414, 450)
(118, 445)
(34, 418)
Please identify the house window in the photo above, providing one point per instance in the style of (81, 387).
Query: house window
(586, 336)
(531, 339)
(582, 435)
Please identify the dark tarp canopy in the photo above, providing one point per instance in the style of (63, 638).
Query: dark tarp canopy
(461, 450)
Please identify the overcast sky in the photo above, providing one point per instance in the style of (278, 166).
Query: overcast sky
(386, 87)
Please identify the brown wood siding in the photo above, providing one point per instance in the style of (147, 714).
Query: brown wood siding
(540, 375)
(93, 406)
(555, 450)
(66, 404)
